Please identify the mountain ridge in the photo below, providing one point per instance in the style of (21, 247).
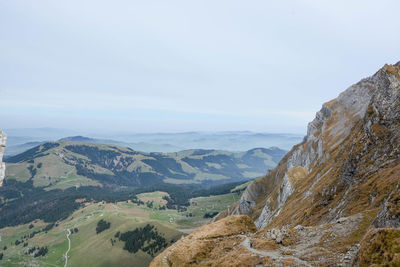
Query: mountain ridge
(81, 163)
(18, 140)
(332, 193)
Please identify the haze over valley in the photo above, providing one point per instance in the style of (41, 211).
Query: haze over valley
(199, 133)
(20, 140)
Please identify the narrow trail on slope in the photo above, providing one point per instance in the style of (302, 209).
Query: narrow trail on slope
(46, 263)
(69, 247)
(272, 254)
(165, 258)
(172, 248)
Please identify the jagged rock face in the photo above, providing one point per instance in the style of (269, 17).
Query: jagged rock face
(352, 139)
(322, 202)
(3, 139)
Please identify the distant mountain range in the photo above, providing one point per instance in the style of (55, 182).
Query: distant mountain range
(74, 162)
(20, 140)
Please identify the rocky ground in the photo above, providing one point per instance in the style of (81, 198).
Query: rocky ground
(228, 243)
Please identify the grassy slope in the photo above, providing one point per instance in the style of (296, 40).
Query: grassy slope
(87, 248)
(49, 170)
(91, 249)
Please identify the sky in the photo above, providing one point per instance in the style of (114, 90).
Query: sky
(173, 66)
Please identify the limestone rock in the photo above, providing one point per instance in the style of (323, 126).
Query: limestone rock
(3, 139)
(333, 200)
(368, 111)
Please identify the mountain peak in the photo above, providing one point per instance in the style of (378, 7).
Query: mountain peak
(77, 138)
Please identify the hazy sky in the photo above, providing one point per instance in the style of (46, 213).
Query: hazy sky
(171, 66)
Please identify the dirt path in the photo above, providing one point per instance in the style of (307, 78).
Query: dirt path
(186, 230)
(69, 247)
(46, 263)
(275, 255)
(165, 258)
(170, 249)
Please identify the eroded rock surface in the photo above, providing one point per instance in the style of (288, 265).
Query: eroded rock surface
(3, 139)
(342, 182)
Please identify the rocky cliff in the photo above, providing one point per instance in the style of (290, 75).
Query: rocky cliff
(3, 138)
(332, 195)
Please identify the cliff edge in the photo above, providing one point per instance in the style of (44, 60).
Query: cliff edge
(334, 199)
(3, 139)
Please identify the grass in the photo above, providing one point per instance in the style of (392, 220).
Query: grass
(98, 249)
(198, 208)
(91, 249)
(87, 247)
(393, 70)
(180, 181)
(155, 197)
(380, 248)
(241, 187)
(55, 169)
(18, 171)
(201, 205)
(55, 174)
(16, 254)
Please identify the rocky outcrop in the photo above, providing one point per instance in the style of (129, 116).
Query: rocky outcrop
(372, 102)
(341, 182)
(3, 139)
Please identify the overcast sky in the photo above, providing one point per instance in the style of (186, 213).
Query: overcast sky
(171, 66)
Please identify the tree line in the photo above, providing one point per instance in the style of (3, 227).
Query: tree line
(147, 239)
(21, 202)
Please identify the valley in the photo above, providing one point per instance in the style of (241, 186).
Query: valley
(199, 133)
(55, 195)
(91, 249)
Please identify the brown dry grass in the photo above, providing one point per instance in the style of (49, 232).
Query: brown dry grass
(297, 174)
(264, 244)
(393, 70)
(232, 225)
(216, 244)
(380, 248)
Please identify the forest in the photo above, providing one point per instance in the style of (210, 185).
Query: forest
(148, 239)
(22, 202)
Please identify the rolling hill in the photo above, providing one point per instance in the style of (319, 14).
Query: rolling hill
(55, 195)
(51, 181)
(64, 164)
(85, 247)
